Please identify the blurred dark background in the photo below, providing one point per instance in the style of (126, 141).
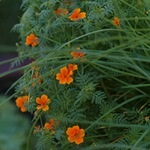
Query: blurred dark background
(14, 125)
(10, 14)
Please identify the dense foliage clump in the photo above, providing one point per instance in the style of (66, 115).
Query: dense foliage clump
(87, 85)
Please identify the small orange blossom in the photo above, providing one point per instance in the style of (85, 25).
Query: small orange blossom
(116, 21)
(32, 40)
(51, 125)
(76, 15)
(77, 55)
(75, 134)
(43, 102)
(61, 11)
(64, 76)
(20, 101)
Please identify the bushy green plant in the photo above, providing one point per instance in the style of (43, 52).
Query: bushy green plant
(105, 92)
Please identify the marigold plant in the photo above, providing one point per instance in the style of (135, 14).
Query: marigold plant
(90, 73)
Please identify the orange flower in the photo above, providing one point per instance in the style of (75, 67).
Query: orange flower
(75, 134)
(51, 125)
(61, 11)
(20, 101)
(76, 15)
(64, 76)
(32, 40)
(72, 67)
(43, 102)
(77, 55)
(116, 21)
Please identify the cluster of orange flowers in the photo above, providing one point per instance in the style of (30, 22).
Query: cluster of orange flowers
(65, 75)
(75, 15)
(42, 102)
(75, 134)
(33, 41)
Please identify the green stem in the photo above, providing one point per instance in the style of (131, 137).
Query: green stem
(30, 133)
(140, 139)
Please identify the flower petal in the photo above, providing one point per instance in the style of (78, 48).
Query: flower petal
(23, 109)
(64, 70)
(45, 108)
(63, 81)
(79, 140)
(39, 107)
(71, 140)
(38, 100)
(69, 80)
(44, 97)
(76, 11)
(82, 15)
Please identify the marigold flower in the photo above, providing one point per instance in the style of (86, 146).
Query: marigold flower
(64, 76)
(116, 21)
(77, 55)
(32, 40)
(20, 101)
(51, 125)
(72, 67)
(76, 15)
(61, 11)
(43, 102)
(75, 134)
